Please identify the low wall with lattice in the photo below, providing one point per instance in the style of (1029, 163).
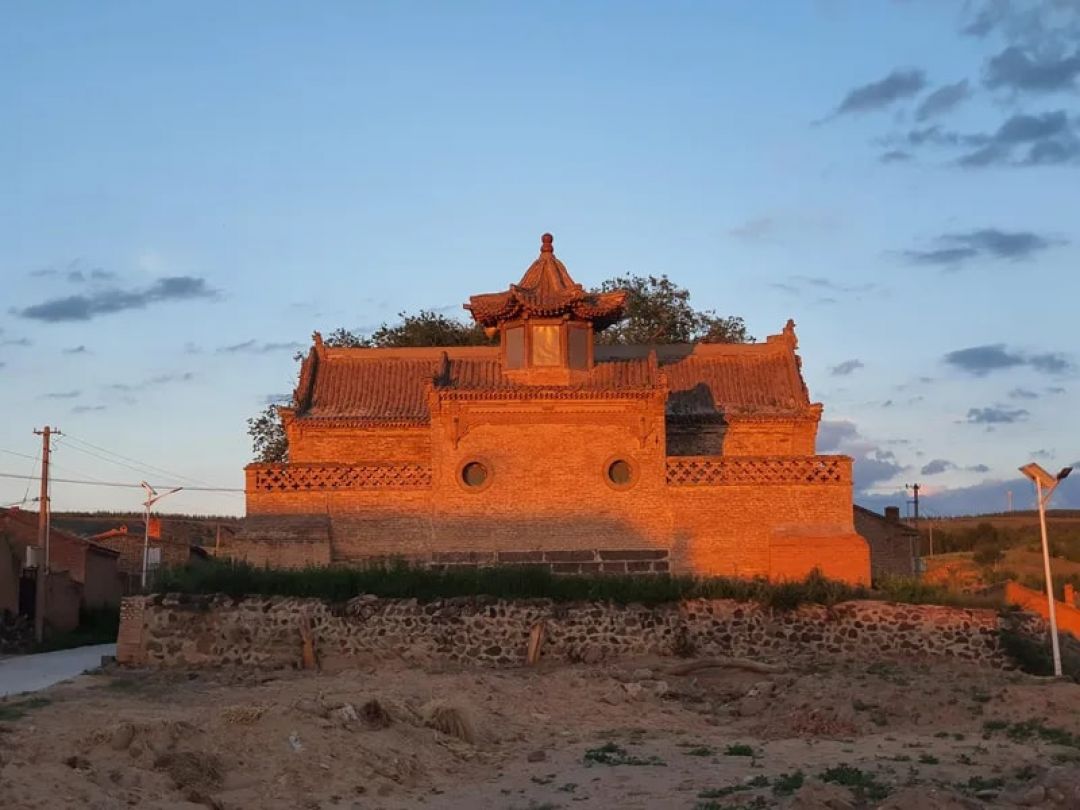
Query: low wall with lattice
(758, 470)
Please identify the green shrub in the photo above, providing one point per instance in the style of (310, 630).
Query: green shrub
(864, 784)
(399, 579)
(96, 626)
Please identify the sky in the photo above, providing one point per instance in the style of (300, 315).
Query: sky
(189, 190)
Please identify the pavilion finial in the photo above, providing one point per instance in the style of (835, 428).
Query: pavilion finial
(545, 243)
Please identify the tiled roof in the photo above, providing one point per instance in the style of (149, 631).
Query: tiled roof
(388, 386)
(546, 289)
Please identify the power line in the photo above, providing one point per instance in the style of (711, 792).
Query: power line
(145, 466)
(119, 484)
(53, 464)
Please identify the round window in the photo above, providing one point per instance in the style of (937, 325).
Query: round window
(474, 474)
(620, 473)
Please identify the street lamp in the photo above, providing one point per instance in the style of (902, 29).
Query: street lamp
(152, 497)
(1045, 484)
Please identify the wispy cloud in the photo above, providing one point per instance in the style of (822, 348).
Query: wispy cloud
(846, 368)
(22, 342)
(898, 85)
(996, 415)
(255, 347)
(1019, 69)
(982, 360)
(896, 156)
(88, 408)
(112, 300)
(954, 248)
(873, 465)
(1022, 393)
(937, 466)
(943, 100)
(61, 395)
(80, 349)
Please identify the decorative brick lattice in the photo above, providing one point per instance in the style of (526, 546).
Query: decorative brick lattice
(701, 471)
(307, 478)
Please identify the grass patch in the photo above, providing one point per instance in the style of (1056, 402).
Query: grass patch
(96, 626)
(614, 754)
(787, 783)
(864, 784)
(977, 784)
(738, 750)
(398, 579)
(700, 751)
(1028, 730)
(17, 709)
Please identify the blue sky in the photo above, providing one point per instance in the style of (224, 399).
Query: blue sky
(189, 190)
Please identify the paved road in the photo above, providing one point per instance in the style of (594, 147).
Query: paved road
(28, 673)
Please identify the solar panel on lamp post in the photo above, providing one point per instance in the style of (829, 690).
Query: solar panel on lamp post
(152, 497)
(1045, 484)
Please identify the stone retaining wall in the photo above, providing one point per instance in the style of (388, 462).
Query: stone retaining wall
(212, 631)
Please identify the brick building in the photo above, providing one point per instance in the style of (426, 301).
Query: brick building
(552, 448)
(81, 572)
(127, 541)
(894, 545)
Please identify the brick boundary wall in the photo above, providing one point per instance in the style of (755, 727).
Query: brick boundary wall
(183, 631)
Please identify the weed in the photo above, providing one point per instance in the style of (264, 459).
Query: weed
(865, 785)
(17, 709)
(738, 750)
(787, 783)
(928, 759)
(700, 751)
(613, 754)
(569, 787)
(1025, 773)
(977, 784)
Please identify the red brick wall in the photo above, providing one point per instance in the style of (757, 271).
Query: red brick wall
(351, 444)
(102, 586)
(548, 491)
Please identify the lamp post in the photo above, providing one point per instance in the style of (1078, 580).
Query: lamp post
(152, 497)
(1045, 484)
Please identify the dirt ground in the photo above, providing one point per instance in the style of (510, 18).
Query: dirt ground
(627, 735)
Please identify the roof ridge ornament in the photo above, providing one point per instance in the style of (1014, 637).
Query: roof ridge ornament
(546, 245)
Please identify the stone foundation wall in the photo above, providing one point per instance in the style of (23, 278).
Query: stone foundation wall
(212, 631)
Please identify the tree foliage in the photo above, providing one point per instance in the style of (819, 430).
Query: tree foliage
(268, 440)
(425, 328)
(657, 311)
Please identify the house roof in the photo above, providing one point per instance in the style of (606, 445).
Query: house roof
(546, 290)
(863, 514)
(28, 521)
(390, 386)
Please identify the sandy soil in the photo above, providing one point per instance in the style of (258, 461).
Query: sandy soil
(626, 735)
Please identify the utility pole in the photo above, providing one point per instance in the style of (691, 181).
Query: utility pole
(915, 489)
(43, 533)
(152, 497)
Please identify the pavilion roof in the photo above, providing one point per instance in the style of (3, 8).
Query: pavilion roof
(546, 290)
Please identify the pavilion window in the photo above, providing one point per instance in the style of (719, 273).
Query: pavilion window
(546, 350)
(577, 343)
(515, 347)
